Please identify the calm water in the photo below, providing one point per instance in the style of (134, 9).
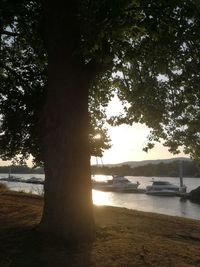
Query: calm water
(165, 205)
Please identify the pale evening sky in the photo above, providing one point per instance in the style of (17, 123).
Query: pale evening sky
(128, 142)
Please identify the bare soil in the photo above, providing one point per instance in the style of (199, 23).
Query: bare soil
(124, 238)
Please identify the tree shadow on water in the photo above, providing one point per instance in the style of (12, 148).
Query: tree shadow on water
(31, 249)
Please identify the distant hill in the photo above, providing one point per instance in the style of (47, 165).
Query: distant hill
(134, 164)
(161, 168)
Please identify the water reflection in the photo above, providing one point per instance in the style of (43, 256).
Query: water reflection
(165, 205)
(101, 198)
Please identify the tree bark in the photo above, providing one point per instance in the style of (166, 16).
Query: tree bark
(68, 199)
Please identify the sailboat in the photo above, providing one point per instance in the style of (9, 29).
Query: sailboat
(12, 178)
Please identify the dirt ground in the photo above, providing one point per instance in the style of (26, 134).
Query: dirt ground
(124, 238)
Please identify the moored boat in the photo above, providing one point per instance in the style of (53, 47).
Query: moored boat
(11, 178)
(117, 184)
(34, 180)
(164, 188)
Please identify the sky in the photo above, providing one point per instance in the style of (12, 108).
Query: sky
(128, 142)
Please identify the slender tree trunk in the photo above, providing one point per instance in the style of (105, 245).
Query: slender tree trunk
(68, 200)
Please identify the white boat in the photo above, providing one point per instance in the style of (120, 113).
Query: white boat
(117, 184)
(11, 178)
(34, 180)
(164, 188)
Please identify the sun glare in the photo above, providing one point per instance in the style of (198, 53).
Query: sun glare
(97, 136)
(100, 198)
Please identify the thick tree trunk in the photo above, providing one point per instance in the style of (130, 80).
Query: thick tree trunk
(67, 200)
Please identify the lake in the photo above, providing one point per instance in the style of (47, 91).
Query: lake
(160, 204)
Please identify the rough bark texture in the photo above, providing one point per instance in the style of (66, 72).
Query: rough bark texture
(68, 200)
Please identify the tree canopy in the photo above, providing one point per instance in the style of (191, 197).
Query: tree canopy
(148, 51)
(161, 84)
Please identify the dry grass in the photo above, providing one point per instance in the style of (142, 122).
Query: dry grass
(3, 187)
(124, 238)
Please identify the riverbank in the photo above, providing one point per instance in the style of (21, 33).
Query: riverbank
(124, 238)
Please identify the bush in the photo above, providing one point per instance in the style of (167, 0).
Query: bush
(3, 187)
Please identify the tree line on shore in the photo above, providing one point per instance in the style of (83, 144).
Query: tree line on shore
(20, 169)
(172, 169)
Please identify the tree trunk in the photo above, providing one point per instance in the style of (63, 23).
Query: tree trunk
(67, 200)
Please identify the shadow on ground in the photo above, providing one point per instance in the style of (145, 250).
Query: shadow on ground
(25, 247)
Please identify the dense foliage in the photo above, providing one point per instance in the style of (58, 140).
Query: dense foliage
(23, 77)
(161, 76)
(146, 51)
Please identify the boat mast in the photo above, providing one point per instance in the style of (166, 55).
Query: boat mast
(181, 172)
(9, 172)
(97, 161)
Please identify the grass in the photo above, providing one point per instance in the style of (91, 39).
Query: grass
(124, 238)
(3, 187)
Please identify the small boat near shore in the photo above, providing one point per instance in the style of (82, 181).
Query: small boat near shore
(34, 180)
(117, 184)
(164, 188)
(11, 178)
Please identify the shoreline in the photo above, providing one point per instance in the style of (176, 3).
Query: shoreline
(174, 206)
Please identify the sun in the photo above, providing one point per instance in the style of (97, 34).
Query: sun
(97, 136)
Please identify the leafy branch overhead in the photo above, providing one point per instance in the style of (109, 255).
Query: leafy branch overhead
(146, 51)
(159, 76)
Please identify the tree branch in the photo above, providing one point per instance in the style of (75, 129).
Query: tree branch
(125, 80)
(3, 32)
(13, 72)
